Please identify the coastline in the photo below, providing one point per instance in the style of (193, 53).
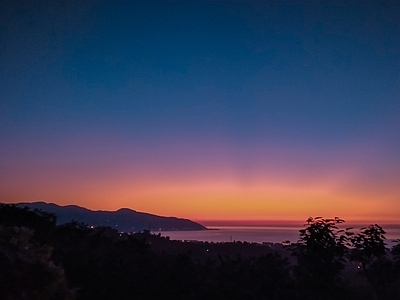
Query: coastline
(252, 234)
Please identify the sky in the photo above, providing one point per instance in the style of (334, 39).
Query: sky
(208, 110)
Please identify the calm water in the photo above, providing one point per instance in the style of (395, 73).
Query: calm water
(254, 234)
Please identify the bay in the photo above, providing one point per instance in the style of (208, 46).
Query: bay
(252, 234)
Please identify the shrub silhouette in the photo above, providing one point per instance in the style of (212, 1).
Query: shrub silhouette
(320, 252)
(101, 263)
(368, 248)
(26, 269)
(368, 245)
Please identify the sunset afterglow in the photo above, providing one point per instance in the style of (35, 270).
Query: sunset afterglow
(203, 110)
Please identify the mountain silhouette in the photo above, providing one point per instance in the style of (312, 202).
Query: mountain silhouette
(124, 219)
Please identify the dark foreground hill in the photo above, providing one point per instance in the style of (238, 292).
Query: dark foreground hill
(42, 261)
(124, 219)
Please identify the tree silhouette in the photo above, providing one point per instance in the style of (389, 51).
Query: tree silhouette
(368, 245)
(37, 258)
(12, 215)
(368, 248)
(320, 253)
(396, 254)
(26, 269)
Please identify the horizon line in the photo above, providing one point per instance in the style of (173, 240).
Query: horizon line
(281, 222)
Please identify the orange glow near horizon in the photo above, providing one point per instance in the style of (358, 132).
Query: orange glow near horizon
(223, 200)
(288, 187)
(213, 111)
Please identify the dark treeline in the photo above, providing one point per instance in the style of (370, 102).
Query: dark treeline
(39, 260)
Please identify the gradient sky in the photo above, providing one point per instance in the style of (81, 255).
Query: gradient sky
(231, 110)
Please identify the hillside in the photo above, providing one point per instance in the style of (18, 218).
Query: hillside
(124, 219)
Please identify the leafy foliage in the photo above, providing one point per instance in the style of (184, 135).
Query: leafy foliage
(396, 253)
(42, 222)
(50, 262)
(320, 251)
(368, 245)
(368, 248)
(26, 269)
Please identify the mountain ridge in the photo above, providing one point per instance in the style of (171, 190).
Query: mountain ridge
(123, 219)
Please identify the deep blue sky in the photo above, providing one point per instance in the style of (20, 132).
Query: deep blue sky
(98, 80)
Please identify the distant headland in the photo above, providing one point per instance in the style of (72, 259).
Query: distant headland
(124, 219)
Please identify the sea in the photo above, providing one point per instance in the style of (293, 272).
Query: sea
(253, 234)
